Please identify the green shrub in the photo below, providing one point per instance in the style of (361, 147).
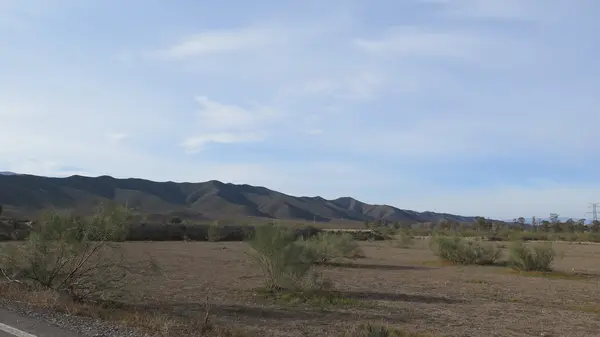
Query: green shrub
(285, 261)
(386, 231)
(537, 257)
(73, 255)
(326, 247)
(462, 251)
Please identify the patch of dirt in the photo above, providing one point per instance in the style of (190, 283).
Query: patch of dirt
(392, 285)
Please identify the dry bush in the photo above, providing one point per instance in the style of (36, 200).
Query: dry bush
(327, 247)
(74, 255)
(537, 257)
(285, 261)
(462, 251)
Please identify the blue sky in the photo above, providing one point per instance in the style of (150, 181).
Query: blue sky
(474, 107)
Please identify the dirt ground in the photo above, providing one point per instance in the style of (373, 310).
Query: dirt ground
(404, 287)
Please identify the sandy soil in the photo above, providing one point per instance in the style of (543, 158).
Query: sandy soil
(403, 287)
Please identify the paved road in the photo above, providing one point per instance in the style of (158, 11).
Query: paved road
(14, 325)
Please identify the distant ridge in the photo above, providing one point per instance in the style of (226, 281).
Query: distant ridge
(211, 200)
(6, 173)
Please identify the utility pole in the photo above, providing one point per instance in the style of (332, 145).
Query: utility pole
(595, 207)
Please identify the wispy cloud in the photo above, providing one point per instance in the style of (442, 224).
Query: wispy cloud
(220, 41)
(228, 124)
(454, 105)
(116, 136)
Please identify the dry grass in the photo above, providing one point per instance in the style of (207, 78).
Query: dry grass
(151, 322)
(398, 287)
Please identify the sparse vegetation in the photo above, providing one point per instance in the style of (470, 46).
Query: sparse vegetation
(328, 247)
(404, 239)
(390, 287)
(379, 330)
(321, 298)
(304, 288)
(285, 261)
(73, 255)
(462, 251)
(536, 257)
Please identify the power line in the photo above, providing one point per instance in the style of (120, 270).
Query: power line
(595, 208)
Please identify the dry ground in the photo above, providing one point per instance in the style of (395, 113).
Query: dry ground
(403, 287)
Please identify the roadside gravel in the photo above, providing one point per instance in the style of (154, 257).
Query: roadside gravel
(84, 326)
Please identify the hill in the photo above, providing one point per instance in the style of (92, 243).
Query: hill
(28, 194)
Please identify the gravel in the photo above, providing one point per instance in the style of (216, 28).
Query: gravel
(84, 326)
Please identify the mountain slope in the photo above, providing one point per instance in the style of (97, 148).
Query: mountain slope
(211, 199)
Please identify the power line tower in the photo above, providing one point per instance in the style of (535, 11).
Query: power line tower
(595, 208)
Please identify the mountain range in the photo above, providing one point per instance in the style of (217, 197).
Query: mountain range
(22, 194)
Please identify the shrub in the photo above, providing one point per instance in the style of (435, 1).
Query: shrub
(326, 247)
(285, 261)
(538, 257)
(214, 232)
(404, 239)
(462, 251)
(72, 255)
(386, 231)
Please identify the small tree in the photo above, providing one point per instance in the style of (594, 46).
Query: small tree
(73, 255)
(1, 209)
(285, 262)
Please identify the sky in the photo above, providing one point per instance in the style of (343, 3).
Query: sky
(472, 107)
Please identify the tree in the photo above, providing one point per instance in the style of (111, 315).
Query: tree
(569, 226)
(580, 225)
(1, 209)
(480, 223)
(553, 218)
(595, 226)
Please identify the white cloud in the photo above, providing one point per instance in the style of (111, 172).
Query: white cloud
(198, 143)
(116, 136)
(220, 41)
(228, 124)
(218, 116)
(458, 84)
